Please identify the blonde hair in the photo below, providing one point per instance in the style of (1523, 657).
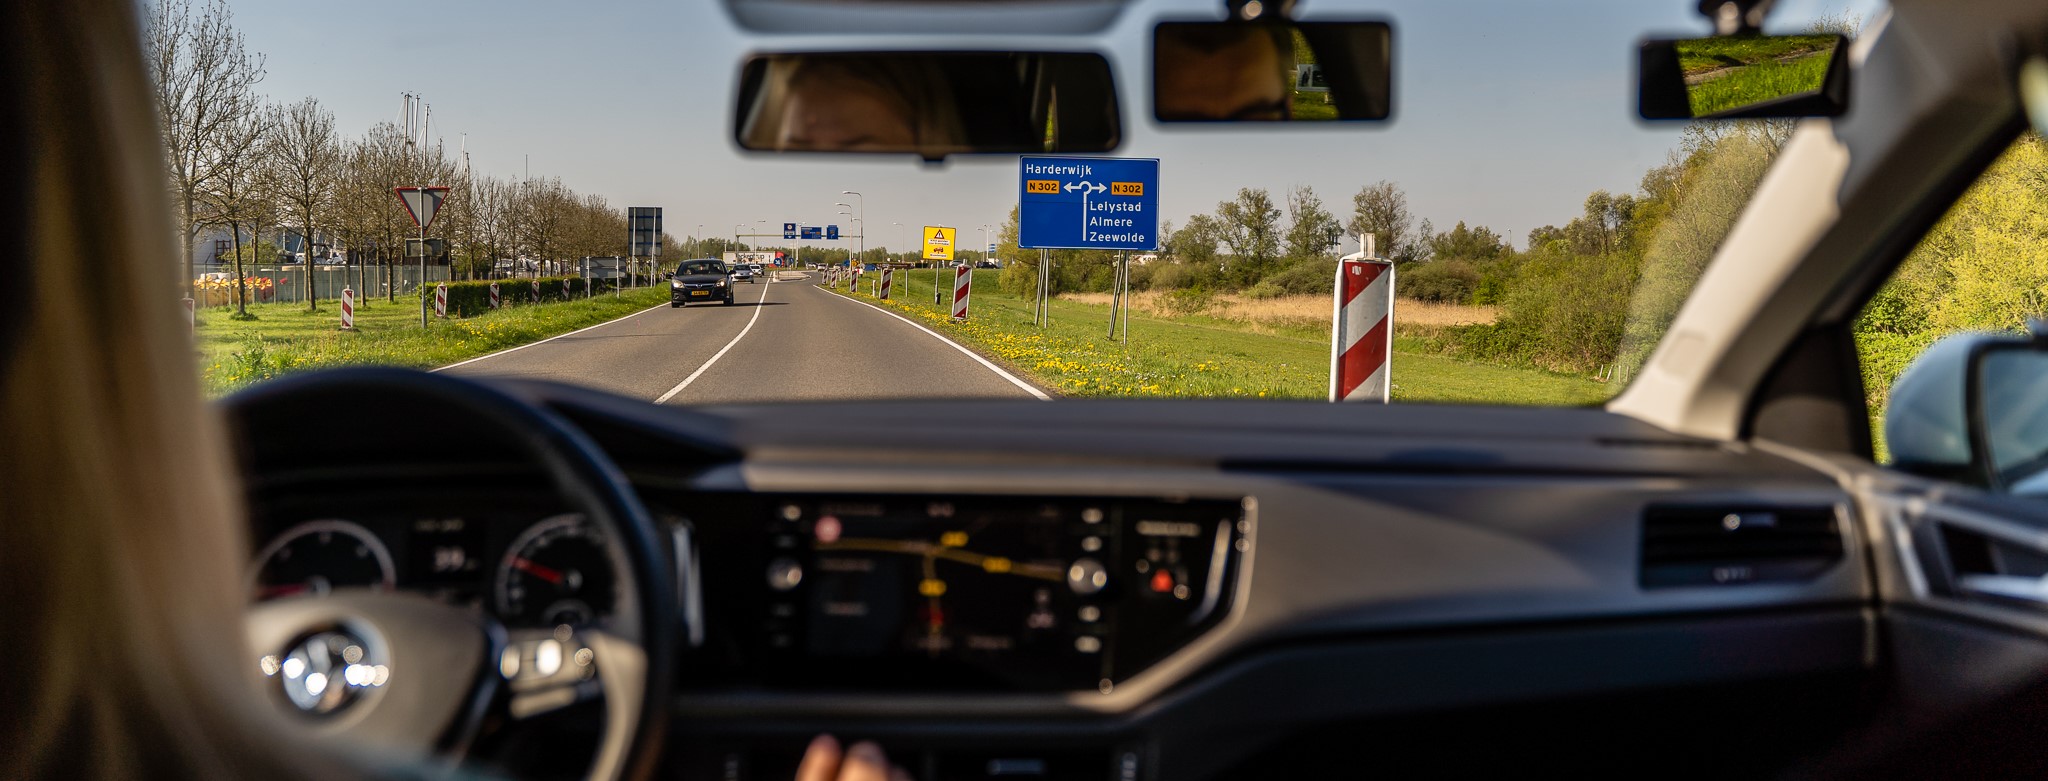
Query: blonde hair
(121, 538)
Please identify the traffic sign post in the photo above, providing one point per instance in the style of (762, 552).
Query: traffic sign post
(938, 247)
(423, 204)
(643, 234)
(1088, 203)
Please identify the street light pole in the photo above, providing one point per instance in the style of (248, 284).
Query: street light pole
(862, 200)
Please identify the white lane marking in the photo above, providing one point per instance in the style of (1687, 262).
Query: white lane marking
(549, 339)
(721, 351)
(955, 345)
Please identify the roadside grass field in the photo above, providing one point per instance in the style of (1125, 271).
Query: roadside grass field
(1757, 83)
(1706, 54)
(1197, 356)
(285, 338)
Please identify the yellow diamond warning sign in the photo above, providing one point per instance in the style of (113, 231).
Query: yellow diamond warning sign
(938, 243)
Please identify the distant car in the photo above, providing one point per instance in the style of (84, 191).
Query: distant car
(743, 271)
(702, 280)
(987, 264)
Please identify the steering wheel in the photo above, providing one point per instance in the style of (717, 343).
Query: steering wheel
(418, 679)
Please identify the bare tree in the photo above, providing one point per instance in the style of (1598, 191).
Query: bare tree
(305, 159)
(205, 86)
(234, 199)
(1381, 209)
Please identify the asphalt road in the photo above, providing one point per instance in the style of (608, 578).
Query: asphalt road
(779, 341)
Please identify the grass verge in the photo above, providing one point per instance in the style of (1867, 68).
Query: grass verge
(1199, 356)
(285, 338)
(1751, 84)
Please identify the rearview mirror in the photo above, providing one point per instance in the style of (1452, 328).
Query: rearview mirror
(1271, 71)
(1744, 77)
(931, 104)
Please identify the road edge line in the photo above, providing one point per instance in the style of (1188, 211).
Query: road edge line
(721, 351)
(991, 366)
(619, 319)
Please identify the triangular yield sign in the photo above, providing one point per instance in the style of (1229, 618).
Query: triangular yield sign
(422, 203)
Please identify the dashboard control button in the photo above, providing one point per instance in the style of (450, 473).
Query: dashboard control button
(1087, 576)
(1091, 613)
(1088, 644)
(1091, 515)
(1091, 544)
(784, 574)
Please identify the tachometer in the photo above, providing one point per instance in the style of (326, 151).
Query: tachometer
(316, 557)
(558, 572)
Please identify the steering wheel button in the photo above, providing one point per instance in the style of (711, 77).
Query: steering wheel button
(547, 657)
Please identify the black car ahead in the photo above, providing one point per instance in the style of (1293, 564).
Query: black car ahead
(703, 280)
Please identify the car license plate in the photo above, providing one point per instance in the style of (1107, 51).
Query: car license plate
(700, 292)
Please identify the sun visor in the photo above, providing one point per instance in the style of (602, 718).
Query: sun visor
(1021, 17)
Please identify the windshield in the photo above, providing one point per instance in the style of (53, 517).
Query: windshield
(1540, 236)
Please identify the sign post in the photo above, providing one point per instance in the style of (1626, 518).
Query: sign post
(643, 235)
(938, 246)
(1095, 203)
(422, 204)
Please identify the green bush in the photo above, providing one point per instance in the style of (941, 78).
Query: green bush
(1444, 281)
(1188, 301)
(469, 299)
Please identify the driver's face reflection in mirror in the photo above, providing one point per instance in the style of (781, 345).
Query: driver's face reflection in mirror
(1222, 72)
(854, 105)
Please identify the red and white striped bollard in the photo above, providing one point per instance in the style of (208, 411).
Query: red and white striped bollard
(1362, 332)
(495, 301)
(441, 300)
(348, 309)
(882, 286)
(963, 284)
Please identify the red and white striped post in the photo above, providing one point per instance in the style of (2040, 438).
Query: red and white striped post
(565, 288)
(348, 309)
(882, 286)
(963, 284)
(441, 300)
(536, 291)
(496, 302)
(1362, 329)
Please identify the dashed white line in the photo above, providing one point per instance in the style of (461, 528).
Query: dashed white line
(955, 345)
(721, 351)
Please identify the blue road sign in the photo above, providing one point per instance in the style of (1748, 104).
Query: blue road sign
(813, 232)
(789, 230)
(991, 249)
(1088, 203)
(832, 232)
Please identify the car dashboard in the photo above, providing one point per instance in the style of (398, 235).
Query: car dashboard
(1199, 589)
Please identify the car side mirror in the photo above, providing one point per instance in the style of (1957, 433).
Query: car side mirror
(1974, 408)
(1743, 77)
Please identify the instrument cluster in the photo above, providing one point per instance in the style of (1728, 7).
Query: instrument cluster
(529, 572)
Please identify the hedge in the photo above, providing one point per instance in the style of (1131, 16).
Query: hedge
(469, 299)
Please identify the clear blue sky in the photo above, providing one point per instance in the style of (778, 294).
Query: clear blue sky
(1508, 113)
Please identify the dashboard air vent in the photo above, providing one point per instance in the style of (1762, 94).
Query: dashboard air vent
(1712, 545)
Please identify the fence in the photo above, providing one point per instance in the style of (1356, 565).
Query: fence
(271, 283)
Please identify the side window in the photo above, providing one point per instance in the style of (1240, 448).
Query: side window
(1984, 267)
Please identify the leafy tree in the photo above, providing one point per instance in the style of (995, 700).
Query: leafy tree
(305, 157)
(1381, 209)
(1462, 243)
(1250, 227)
(1311, 230)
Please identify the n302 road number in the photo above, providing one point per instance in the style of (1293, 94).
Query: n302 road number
(1127, 188)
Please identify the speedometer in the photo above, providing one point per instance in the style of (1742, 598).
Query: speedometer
(317, 557)
(558, 572)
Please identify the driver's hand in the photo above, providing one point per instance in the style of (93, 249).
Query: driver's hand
(823, 761)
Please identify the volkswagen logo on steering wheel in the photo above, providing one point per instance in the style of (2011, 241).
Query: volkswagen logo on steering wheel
(325, 671)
